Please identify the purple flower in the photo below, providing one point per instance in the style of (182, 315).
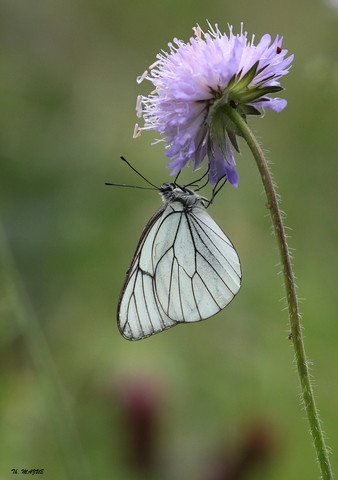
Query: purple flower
(195, 81)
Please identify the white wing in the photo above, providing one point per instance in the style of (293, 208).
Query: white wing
(197, 272)
(185, 269)
(139, 314)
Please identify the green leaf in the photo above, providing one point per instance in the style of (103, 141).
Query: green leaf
(233, 140)
(248, 110)
(253, 94)
(231, 83)
(247, 78)
(272, 89)
(266, 79)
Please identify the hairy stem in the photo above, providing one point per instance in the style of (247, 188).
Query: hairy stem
(294, 315)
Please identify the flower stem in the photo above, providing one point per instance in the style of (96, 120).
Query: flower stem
(295, 318)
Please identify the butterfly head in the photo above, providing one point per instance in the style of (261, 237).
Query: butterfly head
(171, 192)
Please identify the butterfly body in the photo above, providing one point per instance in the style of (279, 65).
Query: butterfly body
(185, 269)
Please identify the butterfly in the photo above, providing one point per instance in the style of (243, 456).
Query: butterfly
(185, 269)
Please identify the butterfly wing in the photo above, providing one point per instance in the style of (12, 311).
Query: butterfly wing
(139, 313)
(184, 269)
(197, 270)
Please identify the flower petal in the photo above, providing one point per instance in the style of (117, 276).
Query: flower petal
(276, 104)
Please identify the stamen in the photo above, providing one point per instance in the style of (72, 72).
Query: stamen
(137, 131)
(198, 31)
(153, 65)
(139, 106)
(159, 140)
(142, 77)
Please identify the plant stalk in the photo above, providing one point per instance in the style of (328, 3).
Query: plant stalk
(292, 300)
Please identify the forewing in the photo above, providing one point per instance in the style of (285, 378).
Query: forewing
(197, 272)
(139, 314)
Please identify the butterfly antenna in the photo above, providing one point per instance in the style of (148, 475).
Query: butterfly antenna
(176, 178)
(138, 173)
(130, 186)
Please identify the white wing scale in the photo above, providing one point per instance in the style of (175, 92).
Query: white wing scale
(185, 269)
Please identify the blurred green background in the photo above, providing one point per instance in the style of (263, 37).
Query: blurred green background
(197, 401)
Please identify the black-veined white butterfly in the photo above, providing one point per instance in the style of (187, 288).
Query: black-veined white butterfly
(185, 269)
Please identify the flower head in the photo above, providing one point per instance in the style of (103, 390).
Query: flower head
(194, 85)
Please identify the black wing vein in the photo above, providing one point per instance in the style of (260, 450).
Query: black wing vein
(199, 222)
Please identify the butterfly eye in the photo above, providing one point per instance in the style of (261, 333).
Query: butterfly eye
(166, 187)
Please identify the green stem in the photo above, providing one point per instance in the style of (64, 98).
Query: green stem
(295, 318)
